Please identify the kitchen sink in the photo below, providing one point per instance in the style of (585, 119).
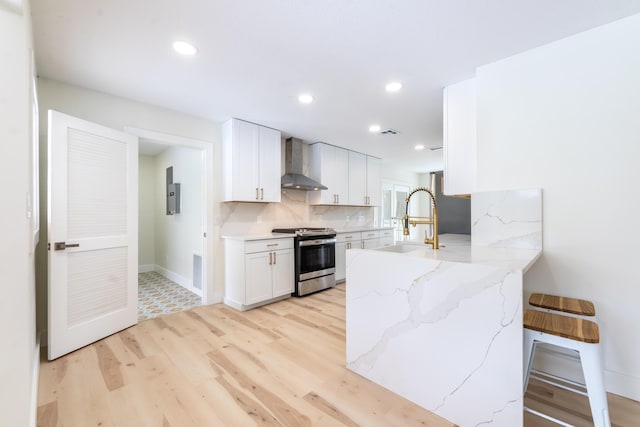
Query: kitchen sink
(403, 248)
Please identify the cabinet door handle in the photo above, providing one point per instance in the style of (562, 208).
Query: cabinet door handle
(262, 194)
(270, 258)
(348, 237)
(274, 258)
(362, 244)
(272, 244)
(338, 197)
(257, 198)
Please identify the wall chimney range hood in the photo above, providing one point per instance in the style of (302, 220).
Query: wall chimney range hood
(293, 178)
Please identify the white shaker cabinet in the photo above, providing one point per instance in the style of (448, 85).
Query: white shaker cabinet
(459, 137)
(367, 239)
(386, 237)
(357, 178)
(352, 178)
(251, 162)
(258, 272)
(370, 239)
(374, 181)
(345, 241)
(365, 179)
(330, 166)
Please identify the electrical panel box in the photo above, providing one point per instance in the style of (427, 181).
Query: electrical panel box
(173, 193)
(173, 199)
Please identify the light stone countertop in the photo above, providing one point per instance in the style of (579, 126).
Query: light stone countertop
(264, 236)
(458, 248)
(443, 328)
(361, 229)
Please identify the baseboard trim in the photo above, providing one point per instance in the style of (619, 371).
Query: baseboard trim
(563, 365)
(216, 299)
(146, 268)
(35, 381)
(622, 384)
(180, 280)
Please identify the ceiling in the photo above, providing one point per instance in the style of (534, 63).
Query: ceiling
(256, 57)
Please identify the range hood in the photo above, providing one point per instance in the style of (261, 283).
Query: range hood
(293, 177)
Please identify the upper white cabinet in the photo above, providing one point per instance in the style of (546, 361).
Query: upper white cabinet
(357, 178)
(374, 181)
(352, 178)
(459, 137)
(251, 162)
(330, 166)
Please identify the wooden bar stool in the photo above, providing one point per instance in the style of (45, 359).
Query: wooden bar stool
(579, 335)
(579, 307)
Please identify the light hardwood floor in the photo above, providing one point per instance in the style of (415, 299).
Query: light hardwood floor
(212, 366)
(282, 364)
(574, 409)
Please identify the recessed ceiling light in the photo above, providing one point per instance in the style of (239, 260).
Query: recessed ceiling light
(374, 128)
(184, 48)
(305, 98)
(419, 147)
(393, 87)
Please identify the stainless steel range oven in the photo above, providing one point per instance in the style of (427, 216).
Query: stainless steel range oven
(315, 258)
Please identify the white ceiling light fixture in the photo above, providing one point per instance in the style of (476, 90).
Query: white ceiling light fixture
(393, 87)
(374, 128)
(184, 48)
(305, 98)
(419, 147)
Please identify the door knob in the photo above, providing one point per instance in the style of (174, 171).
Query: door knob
(61, 246)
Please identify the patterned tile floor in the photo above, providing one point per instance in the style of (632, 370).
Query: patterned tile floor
(158, 295)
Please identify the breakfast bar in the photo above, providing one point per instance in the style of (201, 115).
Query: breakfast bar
(443, 328)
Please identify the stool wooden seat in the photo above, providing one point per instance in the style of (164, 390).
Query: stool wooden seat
(563, 326)
(578, 335)
(559, 303)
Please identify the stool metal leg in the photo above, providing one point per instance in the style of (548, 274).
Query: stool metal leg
(527, 352)
(591, 365)
(592, 368)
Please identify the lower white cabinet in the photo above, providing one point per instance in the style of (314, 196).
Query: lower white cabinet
(386, 238)
(370, 239)
(345, 241)
(258, 272)
(358, 240)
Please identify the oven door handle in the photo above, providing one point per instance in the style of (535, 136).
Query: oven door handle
(316, 242)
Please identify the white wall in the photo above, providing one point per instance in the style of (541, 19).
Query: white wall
(566, 117)
(178, 237)
(19, 353)
(146, 211)
(118, 113)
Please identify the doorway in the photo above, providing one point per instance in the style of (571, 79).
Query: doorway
(394, 195)
(171, 240)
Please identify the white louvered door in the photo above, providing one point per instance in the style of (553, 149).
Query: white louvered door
(93, 232)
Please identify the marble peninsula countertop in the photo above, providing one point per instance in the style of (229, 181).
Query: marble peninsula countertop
(443, 328)
(458, 248)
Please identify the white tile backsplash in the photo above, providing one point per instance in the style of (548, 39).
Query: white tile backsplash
(292, 211)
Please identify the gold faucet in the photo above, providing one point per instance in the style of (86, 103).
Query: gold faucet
(414, 220)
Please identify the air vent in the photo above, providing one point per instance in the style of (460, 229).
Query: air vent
(389, 132)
